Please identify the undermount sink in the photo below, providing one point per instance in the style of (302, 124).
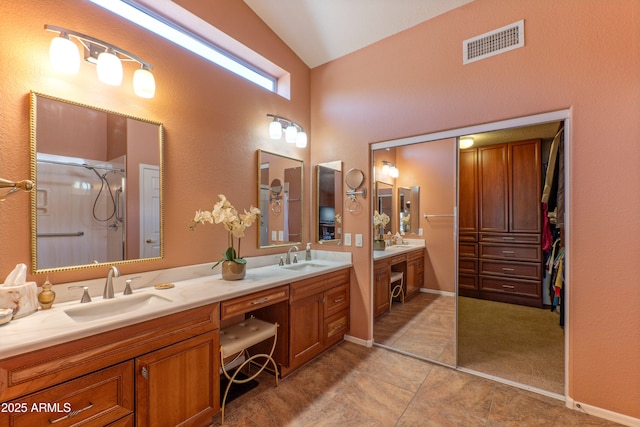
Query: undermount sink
(303, 266)
(112, 307)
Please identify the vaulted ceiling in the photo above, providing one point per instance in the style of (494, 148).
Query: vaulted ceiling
(319, 31)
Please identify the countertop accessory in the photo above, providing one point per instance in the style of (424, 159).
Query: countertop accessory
(161, 286)
(46, 296)
(6, 314)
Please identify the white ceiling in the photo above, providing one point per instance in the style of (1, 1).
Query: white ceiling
(319, 31)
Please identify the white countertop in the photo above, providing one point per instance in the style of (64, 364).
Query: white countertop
(407, 246)
(194, 286)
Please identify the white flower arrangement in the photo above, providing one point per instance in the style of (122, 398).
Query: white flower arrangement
(380, 220)
(224, 213)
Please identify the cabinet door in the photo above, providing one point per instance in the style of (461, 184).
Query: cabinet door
(493, 181)
(468, 191)
(382, 276)
(525, 193)
(179, 385)
(415, 273)
(305, 319)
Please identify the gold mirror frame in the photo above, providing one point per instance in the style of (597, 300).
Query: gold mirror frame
(291, 195)
(33, 122)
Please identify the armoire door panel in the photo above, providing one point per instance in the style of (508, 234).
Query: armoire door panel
(493, 197)
(525, 187)
(468, 191)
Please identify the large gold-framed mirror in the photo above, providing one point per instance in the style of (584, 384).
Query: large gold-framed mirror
(409, 210)
(280, 192)
(98, 177)
(329, 202)
(385, 205)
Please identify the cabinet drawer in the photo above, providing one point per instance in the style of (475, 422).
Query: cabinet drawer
(469, 250)
(466, 281)
(415, 256)
(510, 238)
(398, 259)
(335, 327)
(511, 286)
(468, 265)
(254, 301)
(102, 397)
(468, 237)
(523, 270)
(336, 299)
(315, 285)
(516, 252)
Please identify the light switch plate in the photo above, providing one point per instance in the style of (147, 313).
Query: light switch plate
(281, 236)
(358, 240)
(274, 235)
(347, 239)
(420, 231)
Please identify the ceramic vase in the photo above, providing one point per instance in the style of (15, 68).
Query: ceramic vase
(232, 270)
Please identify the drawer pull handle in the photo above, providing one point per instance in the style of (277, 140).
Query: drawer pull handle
(508, 286)
(338, 300)
(260, 301)
(338, 327)
(507, 269)
(71, 414)
(508, 252)
(508, 238)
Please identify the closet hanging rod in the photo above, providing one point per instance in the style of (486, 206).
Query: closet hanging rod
(434, 215)
(82, 165)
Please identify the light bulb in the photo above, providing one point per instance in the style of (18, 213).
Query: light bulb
(301, 139)
(394, 172)
(64, 55)
(291, 134)
(144, 84)
(109, 68)
(275, 129)
(385, 168)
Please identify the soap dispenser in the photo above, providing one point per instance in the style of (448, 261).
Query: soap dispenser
(46, 296)
(307, 254)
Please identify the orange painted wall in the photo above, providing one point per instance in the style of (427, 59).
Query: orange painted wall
(582, 55)
(214, 121)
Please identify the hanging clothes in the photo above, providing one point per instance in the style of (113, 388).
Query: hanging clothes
(558, 285)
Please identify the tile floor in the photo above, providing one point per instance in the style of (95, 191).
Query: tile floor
(352, 385)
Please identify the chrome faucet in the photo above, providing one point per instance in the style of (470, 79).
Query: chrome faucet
(288, 259)
(108, 286)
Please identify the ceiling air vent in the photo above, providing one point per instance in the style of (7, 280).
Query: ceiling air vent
(493, 43)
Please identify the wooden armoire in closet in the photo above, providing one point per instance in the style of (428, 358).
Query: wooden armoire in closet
(500, 223)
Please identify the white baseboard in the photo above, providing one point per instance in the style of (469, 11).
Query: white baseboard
(359, 341)
(602, 413)
(438, 292)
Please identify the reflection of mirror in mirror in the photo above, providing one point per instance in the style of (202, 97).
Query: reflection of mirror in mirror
(408, 209)
(275, 200)
(280, 187)
(98, 182)
(329, 202)
(384, 204)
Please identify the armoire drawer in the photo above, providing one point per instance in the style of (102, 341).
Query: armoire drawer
(336, 299)
(511, 286)
(531, 253)
(466, 265)
(466, 281)
(468, 249)
(523, 270)
(510, 238)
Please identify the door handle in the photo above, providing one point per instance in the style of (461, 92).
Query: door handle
(150, 241)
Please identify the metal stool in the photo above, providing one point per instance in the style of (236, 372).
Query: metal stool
(397, 290)
(237, 339)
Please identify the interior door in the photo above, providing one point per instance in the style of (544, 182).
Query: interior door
(149, 211)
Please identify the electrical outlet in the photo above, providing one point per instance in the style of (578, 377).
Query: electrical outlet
(358, 240)
(347, 239)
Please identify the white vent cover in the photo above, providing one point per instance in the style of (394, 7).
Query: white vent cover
(493, 43)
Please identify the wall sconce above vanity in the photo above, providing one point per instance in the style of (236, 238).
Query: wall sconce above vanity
(65, 57)
(293, 132)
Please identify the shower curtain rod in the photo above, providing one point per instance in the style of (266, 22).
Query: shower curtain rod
(83, 165)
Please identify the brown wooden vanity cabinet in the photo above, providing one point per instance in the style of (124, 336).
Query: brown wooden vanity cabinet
(95, 375)
(415, 273)
(319, 316)
(381, 286)
(411, 264)
(500, 223)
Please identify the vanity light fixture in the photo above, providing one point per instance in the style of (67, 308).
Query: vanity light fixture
(465, 143)
(294, 133)
(390, 169)
(13, 186)
(64, 56)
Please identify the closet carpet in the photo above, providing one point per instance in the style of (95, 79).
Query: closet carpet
(352, 385)
(514, 342)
